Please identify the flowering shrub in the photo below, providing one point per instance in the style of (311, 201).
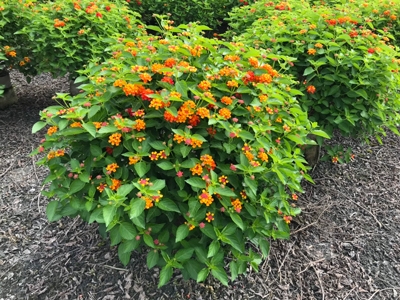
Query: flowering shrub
(65, 35)
(14, 48)
(348, 72)
(183, 144)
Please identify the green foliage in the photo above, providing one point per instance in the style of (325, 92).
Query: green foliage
(13, 49)
(337, 154)
(185, 145)
(210, 13)
(347, 70)
(64, 35)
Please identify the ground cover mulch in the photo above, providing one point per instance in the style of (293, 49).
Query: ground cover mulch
(344, 245)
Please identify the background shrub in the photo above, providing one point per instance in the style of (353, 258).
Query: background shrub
(65, 35)
(347, 70)
(210, 13)
(186, 145)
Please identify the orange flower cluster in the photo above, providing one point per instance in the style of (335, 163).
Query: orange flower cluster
(157, 155)
(56, 153)
(197, 170)
(237, 205)
(311, 89)
(139, 125)
(58, 23)
(209, 217)
(204, 85)
(225, 113)
(116, 184)
(76, 125)
(52, 130)
(115, 139)
(208, 161)
(206, 198)
(229, 72)
(134, 159)
(112, 167)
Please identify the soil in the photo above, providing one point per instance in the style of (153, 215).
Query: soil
(344, 245)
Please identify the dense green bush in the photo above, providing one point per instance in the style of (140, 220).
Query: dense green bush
(210, 13)
(186, 145)
(348, 72)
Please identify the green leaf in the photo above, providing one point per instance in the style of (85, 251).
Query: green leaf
(139, 221)
(220, 274)
(321, 133)
(152, 258)
(80, 79)
(158, 185)
(148, 239)
(90, 128)
(208, 230)
(38, 126)
(181, 233)
(124, 190)
(213, 248)
(76, 186)
(225, 192)
(238, 220)
(51, 210)
(109, 213)
(127, 231)
(137, 207)
(124, 257)
(233, 266)
(128, 246)
(168, 205)
(264, 247)
(165, 165)
(157, 145)
(308, 71)
(184, 254)
(165, 275)
(181, 87)
(203, 274)
(141, 168)
(196, 182)
(154, 28)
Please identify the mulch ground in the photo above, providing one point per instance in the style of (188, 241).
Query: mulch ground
(344, 245)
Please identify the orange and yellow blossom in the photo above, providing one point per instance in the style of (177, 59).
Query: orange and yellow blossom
(115, 139)
(206, 198)
(197, 170)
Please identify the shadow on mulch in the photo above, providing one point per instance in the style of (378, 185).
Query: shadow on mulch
(345, 244)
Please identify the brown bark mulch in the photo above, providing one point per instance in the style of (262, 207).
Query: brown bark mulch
(344, 245)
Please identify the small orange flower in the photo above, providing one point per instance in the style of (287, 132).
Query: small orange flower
(76, 125)
(223, 179)
(115, 184)
(287, 219)
(318, 45)
(144, 181)
(226, 100)
(206, 198)
(139, 125)
(204, 85)
(115, 139)
(209, 217)
(311, 89)
(295, 197)
(232, 83)
(203, 112)
(311, 51)
(197, 170)
(52, 130)
(225, 113)
(112, 167)
(145, 77)
(133, 159)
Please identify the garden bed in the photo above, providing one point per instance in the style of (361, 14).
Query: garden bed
(344, 245)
